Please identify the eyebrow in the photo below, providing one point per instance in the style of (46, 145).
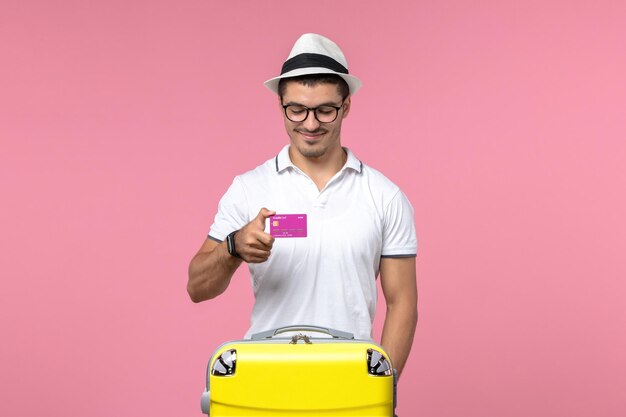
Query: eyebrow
(329, 103)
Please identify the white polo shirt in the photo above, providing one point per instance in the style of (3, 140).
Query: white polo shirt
(328, 278)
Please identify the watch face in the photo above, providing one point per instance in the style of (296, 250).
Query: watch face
(230, 242)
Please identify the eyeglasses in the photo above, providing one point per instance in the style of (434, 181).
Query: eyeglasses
(324, 114)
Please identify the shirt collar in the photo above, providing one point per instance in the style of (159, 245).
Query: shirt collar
(283, 161)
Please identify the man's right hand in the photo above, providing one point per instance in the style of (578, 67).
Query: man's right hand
(251, 241)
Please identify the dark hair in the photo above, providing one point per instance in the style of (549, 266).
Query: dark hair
(311, 80)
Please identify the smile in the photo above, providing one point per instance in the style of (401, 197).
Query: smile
(311, 136)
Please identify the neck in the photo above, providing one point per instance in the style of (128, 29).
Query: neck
(320, 169)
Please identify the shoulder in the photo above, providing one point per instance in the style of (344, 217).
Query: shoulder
(369, 175)
(261, 173)
(386, 195)
(378, 183)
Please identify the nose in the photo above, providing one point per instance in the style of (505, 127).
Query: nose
(311, 123)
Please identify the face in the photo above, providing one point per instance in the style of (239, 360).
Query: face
(311, 138)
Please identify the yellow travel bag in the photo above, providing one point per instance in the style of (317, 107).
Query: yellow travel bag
(300, 374)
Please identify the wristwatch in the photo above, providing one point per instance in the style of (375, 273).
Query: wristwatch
(230, 242)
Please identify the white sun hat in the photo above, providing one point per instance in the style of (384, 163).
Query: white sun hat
(315, 54)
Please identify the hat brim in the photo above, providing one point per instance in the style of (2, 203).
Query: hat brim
(353, 82)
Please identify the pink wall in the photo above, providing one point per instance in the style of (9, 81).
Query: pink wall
(120, 128)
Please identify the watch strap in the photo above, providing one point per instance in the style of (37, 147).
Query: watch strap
(230, 242)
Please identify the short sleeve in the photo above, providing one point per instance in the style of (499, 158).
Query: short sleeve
(232, 212)
(399, 238)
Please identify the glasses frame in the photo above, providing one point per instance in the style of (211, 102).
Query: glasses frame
(314, 109)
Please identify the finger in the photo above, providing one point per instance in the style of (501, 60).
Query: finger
(256, 255)
(258, 260)
(255, 239)
(255, 250)
(263, 215)
(266, 240)
(258, 245)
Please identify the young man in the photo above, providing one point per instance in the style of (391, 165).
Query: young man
(351, 222)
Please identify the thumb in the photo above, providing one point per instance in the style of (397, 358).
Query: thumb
(263, 215)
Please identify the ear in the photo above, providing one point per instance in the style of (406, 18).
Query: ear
(346, 107)
(281, 111)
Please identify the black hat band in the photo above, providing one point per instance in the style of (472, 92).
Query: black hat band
(312, 60)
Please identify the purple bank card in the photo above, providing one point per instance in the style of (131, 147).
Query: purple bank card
(288, 225)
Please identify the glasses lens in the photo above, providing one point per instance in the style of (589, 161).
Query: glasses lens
(326, 114)
(296, 113)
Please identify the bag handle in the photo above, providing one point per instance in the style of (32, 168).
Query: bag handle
(336, 334)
